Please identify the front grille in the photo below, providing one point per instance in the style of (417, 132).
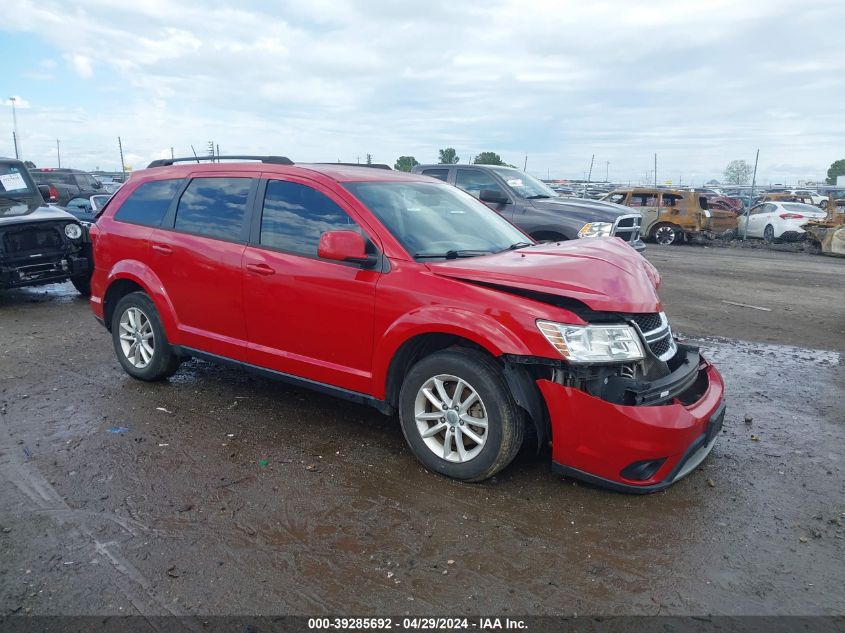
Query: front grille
(656, 332)
(627, 227)
(33, 240)
(648, 322)
(660, 347)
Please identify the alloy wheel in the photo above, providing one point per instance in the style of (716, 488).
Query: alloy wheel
(664, 235)
(451, 418)
(137, 339)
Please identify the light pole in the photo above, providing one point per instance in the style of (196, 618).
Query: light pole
(18, 151)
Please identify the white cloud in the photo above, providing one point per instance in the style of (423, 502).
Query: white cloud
(82, 64)
(701, 83)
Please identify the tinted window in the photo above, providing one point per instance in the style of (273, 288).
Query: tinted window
(148, 203)
(442, 174)
(214, 207)
(295, 216)
(52, 177)
(474, 181)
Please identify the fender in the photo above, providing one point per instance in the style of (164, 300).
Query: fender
(474, 326)
(140, 273)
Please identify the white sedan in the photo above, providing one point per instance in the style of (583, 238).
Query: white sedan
(778, 220)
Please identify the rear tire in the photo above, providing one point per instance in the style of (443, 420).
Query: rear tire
(139, 340)
(482, 416)
(769, 234)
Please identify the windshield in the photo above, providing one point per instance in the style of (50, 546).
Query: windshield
(797, 207)
(13, 181)
(437, 220)
(524, 185)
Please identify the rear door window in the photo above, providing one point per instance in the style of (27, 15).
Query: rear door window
(643, 200)
(295, 216)
(148, 204)
(618, 198)
(214, 207)
(671, 200)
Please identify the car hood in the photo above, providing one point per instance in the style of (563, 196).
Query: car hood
(23, 212)
(587, 210)
(604, 273)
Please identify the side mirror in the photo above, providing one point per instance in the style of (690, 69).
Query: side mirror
(492, 196)
(345, 246)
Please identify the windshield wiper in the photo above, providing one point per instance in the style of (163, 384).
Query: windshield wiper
(515, 246)
(539, 195)
(454, 254)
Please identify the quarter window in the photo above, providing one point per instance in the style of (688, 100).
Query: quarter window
(214, 207)
(148, 204)
(295, 216)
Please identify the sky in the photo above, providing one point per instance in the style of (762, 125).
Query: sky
(545, 83)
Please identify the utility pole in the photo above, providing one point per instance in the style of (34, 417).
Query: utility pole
(58, 154)
(589, 175)
(606, 171)
(753, 183)
(211, 150)
(15, 134)
(172, 155)
(218, 152)
(655, 170)
(525, 164)
(122, 164)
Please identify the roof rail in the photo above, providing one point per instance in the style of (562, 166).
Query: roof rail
(371, 165)
(165, 162)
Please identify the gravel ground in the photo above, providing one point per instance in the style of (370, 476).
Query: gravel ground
(221, 493)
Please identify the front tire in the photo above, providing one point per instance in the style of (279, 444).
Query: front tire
(82, 285)
(666, 234)
(458, 415)
(139, 340)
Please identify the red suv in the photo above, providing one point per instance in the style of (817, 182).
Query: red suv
(405, 293)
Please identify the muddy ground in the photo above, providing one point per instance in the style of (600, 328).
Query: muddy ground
(221, 493)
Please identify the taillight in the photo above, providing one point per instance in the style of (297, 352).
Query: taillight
(54, 193)
(791, 216)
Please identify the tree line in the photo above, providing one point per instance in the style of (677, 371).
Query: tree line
(448, 156)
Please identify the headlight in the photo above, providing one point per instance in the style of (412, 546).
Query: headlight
(596, 229)
(73, 231)
(593, 343)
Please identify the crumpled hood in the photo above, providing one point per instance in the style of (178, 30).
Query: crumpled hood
(604, 273)
(13, 212)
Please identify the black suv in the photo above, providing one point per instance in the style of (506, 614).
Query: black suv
(66, 184)
(537, 209)
(39, 244)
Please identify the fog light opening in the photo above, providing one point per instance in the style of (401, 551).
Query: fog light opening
(642, 470)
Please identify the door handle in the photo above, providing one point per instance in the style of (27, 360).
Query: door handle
(164, 250)
(260, 269)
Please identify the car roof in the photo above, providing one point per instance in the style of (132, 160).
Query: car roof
(333, 171)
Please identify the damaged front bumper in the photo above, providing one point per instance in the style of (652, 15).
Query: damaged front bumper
(635, 435)
(42, 270)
